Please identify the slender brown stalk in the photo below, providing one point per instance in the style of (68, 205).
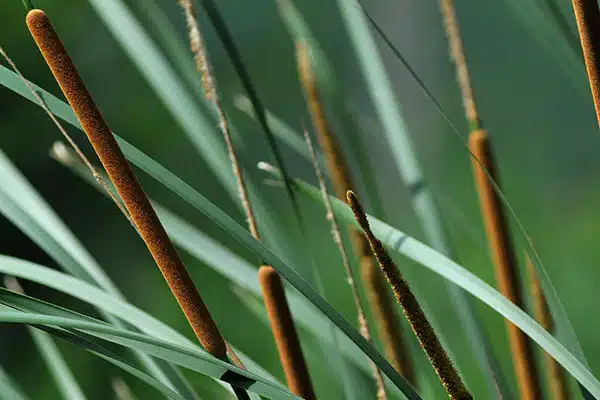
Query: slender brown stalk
(556, 375)
(130, 190)
(457, 54)
(282, 324)
(588, 23)
(417, 319)
(337, 238)
(379, 301)
(286, 336)
(504, 260)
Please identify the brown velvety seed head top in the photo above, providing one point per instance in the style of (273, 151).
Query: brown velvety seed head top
(127, 185)
(417, 319)
(284, 331)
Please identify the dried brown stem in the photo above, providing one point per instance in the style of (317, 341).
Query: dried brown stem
(417, 319)
(130, 190)
(457, 54)
(504, 260)
(337, 238)
(284, 330)
(379, 301)
(588, 23)
(556, 375)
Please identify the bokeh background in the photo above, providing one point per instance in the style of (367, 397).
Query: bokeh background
(538, 112)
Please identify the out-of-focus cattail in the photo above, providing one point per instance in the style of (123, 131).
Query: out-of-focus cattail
(282, 324)
(555, 373)
(293, 362)
(417, 319)
(126, 183)
(587, 14)
(363, 324)
(379, 300)
(504, 260)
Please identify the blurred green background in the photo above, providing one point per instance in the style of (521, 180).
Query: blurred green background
(539, 114)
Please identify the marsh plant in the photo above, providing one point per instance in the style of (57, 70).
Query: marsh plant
(270, 326)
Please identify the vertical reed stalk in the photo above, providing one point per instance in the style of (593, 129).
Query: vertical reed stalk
(379, 301)
(588, 24)
(128, 187)
(556, 375)
(417, 319)
(504, 260)
(457, 54)
(337, 238)
(282, 324)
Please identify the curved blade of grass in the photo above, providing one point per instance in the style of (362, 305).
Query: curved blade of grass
(9, 389)
(100, 299)
(66, 382)
(195, 360)
(394, 127)
(461, 277)
(96, 347)
(24, 207)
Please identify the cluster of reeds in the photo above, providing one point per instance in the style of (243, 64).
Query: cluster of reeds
(378, 272)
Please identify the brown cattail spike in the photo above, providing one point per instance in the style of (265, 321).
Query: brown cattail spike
(504, 261)
(127, 185)
(588, 23)
(556, 375)
(284, 331)
(429, 341)
(379, 301)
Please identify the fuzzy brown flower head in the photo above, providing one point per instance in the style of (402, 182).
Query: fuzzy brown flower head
(359, 212)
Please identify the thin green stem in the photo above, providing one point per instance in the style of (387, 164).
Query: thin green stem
(28, 5)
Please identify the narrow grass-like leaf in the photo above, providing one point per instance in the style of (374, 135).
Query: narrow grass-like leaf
(21, 204)
(9, 389)
(100, 299)
(67, 384)
(461, 277)
(193, 359)
(98, 348)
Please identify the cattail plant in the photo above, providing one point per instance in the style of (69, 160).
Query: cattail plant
(379, 301)
(126, 183)
(587, 14)
(506, 272)
(417, 319)
(555, 373)
(280, 317)
(504, 259)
